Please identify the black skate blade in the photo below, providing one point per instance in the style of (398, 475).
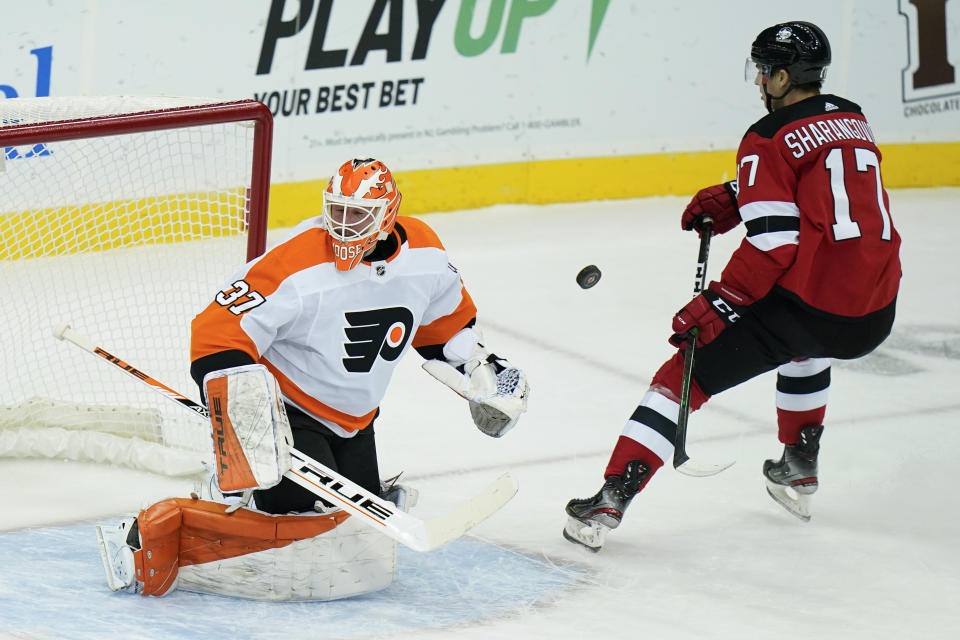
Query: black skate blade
(798, 506)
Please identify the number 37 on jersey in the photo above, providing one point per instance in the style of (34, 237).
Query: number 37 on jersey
(238, 298)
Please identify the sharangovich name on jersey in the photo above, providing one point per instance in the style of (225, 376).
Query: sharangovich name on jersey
(313, 25)
(812, 135)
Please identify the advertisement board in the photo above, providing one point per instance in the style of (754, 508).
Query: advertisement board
(473, 102)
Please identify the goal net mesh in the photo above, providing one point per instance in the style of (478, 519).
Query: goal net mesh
(125, 237)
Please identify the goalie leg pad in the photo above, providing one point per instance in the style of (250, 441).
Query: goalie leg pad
(347, 561)
(182, 532)
(251, 431)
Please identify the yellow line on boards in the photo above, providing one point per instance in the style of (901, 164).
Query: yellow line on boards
(583, 179)
(85, 228)
(153, 220)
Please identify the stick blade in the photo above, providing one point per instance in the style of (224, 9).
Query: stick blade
(703, 469)
(467, 515)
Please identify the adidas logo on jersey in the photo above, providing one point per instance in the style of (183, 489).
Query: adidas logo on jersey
(829, 106)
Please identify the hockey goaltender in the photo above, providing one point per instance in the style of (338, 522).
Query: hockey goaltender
(293, 358)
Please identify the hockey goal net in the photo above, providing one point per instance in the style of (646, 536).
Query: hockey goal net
(121, 216)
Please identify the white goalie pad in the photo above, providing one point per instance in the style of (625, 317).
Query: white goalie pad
(496, 390)
(348, 561)
(251, 432)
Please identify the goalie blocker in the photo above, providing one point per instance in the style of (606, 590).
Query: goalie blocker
(250, 428)
(496, 390)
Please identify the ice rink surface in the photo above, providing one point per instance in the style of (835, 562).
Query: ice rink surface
(694, 558)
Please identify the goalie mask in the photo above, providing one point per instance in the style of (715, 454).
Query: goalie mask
(359, 209)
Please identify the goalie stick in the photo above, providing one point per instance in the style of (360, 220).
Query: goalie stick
(681, 461)
(371, 509)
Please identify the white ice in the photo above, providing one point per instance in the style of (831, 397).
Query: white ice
(695, 557)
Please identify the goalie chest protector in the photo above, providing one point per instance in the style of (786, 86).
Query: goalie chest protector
(333, 338)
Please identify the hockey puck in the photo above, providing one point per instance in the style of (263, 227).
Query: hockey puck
(588, 276)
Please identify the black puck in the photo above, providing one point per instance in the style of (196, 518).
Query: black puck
(588, 276)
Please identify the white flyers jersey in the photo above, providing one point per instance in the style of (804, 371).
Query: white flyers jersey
(333, 338)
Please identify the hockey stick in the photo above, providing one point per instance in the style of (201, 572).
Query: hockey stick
(681, 461)
(371, 509)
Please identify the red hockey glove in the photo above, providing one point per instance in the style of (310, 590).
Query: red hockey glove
(719, 202)
(712, 311)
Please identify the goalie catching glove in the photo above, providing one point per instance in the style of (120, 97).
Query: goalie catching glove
(496, 390)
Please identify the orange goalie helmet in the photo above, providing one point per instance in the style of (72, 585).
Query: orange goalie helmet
(359, 208)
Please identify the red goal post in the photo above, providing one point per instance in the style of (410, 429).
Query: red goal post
(122, 216)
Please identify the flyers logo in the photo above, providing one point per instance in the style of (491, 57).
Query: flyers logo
(379, 332)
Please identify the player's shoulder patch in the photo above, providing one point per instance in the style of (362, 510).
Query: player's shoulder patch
(418, 233)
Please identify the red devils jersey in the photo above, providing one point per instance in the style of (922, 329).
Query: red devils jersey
(333, 338)
(817, 216)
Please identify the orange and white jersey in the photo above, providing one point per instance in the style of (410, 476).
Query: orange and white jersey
(333, 338)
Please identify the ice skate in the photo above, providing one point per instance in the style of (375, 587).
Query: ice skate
(591, 518)
(205, 487)
(793, 479)
(402, 495)
(117, 545)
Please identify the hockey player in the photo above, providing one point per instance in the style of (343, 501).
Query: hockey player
(330, 311)
(815, 278)
(324, 318)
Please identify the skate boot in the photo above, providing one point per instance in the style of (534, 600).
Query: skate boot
(207, 488)
(117, 545)
(591, 518)
(402, 495)
(792, 479)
